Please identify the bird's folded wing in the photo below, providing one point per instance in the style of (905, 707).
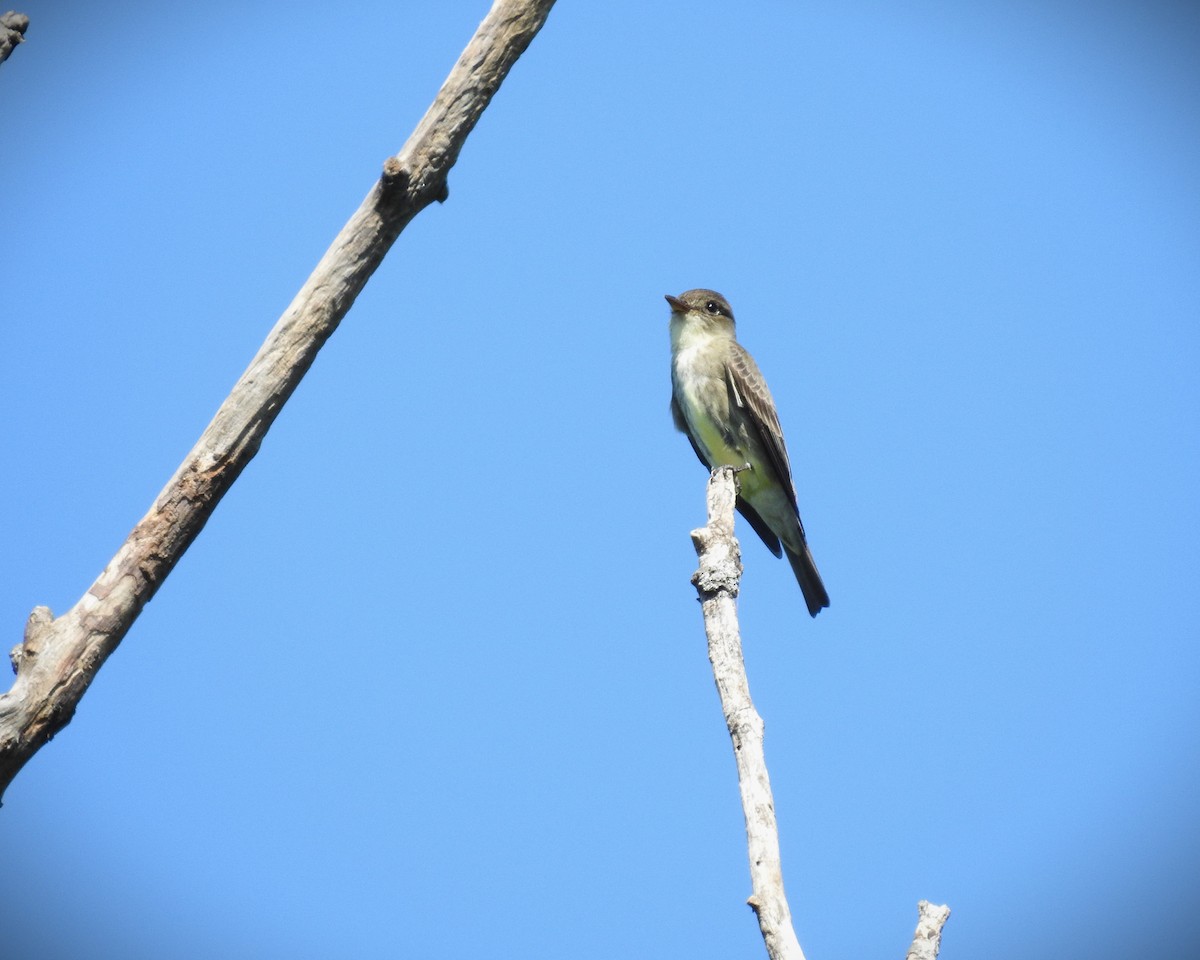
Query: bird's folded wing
(748, 390)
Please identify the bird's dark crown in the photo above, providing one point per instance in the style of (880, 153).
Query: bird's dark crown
(703, 301)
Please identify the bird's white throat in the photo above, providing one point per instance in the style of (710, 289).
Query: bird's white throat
(688, 334)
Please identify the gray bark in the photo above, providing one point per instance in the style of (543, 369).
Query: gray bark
(717, 582)
(927, 940)
(12, 31)
(59, 656)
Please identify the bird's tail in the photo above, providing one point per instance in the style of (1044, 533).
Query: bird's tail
(808, 578)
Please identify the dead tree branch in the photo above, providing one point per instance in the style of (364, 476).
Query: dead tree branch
(12, 31)
(717, 582)
(927, 941)
(59, 656)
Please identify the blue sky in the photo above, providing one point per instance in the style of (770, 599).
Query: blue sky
(432, 682)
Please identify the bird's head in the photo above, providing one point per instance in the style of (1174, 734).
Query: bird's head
(701, 310)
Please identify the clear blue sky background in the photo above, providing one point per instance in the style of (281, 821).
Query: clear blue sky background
(432, 683)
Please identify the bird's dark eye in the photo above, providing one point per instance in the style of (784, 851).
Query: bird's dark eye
(712, 307)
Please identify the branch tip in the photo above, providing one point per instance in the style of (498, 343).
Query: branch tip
(717, 583)
(38, 624)
(12, 32)
(927, 940)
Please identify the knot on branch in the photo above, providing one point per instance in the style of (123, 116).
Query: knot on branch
(716, 546)
(400, 184)
(15, 24)
(37, 629)
(38, 625)
(720, 562)
(395, 178)
(12, 31)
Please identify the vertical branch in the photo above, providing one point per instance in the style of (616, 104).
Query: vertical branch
(928, 938)
(717, 584)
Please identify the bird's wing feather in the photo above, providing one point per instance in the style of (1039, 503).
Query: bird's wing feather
(749, 390)
(765, 533)
(756, 522)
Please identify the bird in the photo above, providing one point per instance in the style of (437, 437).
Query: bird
(720, 400)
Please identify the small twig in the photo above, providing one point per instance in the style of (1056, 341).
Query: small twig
(12, 31)
(928, 938)
(717, 584)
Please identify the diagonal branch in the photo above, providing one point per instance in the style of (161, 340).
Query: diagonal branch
(59, 656)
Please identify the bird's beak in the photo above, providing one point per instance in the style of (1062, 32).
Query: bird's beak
(677, 305)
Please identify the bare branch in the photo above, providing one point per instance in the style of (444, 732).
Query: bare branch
(60, 656)
(717, 584)
(12, 31)
(928, 938)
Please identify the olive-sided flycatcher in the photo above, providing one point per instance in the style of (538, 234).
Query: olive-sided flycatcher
(720, 400)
